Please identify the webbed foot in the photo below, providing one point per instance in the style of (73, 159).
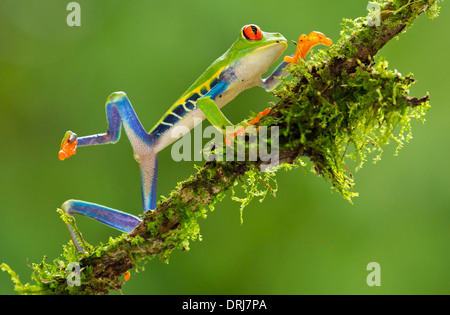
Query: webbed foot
(68, 145)
(305, 43)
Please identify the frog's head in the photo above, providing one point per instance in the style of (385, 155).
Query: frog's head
(257, 48)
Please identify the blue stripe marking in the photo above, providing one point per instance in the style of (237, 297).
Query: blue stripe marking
(194, 97)
(171, 119)
(189, 105)
(213, 83)
(218, 89)
(160, 130)
(179, 110)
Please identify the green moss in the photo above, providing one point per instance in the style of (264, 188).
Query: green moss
(18, 286)
(255, 184)
(364, 110)
(333, 118)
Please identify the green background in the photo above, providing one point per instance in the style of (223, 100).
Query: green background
(307, 240)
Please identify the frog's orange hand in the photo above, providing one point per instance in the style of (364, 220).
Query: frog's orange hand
(305, 43)
(230, 136)
(68, 145)
(294, 58)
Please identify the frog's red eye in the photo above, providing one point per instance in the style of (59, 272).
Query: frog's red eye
(251, 32)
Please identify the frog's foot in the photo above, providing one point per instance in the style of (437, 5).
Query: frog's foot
(305, 43)
(302, 40)
(241, 128)
(315, 38)
(255, 120)
(236, 131)
(68, 145)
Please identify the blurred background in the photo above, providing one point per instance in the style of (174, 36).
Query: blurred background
(307, 240)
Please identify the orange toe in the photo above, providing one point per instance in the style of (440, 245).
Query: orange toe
(227, 140)
(254, 121)
(266, 111)
(68, 148)
(305, 43)
(290, 59)
(259, 116)
(127, 276)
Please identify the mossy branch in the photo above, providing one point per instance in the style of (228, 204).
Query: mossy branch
(340, 101)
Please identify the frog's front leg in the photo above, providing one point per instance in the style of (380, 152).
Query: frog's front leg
(218, 119)
(273, 80)
(119, 112)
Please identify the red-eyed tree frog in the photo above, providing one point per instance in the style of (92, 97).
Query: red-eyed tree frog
(238, 69)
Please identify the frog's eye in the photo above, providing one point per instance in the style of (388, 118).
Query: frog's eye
(251, 32)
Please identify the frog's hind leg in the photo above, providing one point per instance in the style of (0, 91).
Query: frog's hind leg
(117, 219)
(119, 112)
(114, 218)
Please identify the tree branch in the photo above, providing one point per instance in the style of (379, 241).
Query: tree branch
(339, 98)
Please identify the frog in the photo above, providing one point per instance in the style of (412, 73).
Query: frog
(241, 67)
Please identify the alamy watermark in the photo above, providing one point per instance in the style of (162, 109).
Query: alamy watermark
(374, 17)
(74, 17)
(74, 277)
(374, 277)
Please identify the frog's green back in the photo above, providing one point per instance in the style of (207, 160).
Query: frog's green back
(242, 47)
